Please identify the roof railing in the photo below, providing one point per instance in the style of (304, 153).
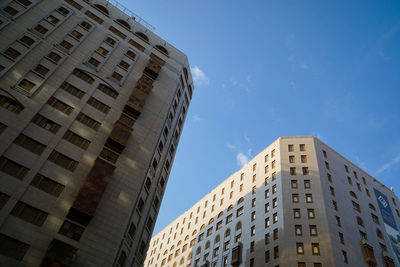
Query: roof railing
(131, 14)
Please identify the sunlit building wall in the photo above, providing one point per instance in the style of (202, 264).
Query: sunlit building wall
(297, 203)
(92, 106)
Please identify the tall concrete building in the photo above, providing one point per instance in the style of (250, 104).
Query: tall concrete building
(298, 203)
(92, 108)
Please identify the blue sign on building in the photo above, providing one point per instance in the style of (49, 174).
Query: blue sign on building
(386, 211)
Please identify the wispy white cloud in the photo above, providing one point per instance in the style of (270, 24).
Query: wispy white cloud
(243, 84)
(388, 165)
(242, 159)
(199, 77)
(197, 118)
(230, 146)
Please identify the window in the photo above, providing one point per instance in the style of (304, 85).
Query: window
(315, 248)
(71, 230)
(275, 218)
(267, 239)
(311, 213)
(275, 234)
(63, 160)
(12, 168)
(13, 248)
(302, 147)
(98, 105)
(276, 252)
(253, 230)
(300, 248)
(363, 235)
(295, 198)
(356, 206)
(26, 40)
(294, 184)
(76, 140)
(83, 76)
(266, 207)
(349, 180)
(88, 121)
(110, 41)
(117, 76)
(296, 213)
(309, 198)
(267, 222)
(274, 190)
(239, 211)
(292, 170)
(10, 10)
(86, 25)
(53, 20)
(313, 230)
(72, 90)
(117, 32)
(102, 51)
(307, 184)
(291, 159)
(305, 171)
(40, 29)
(63, 11)
(273, 164)
(379, 234)
(266, 158)
(272, 153)
(375, 218)
(345, 259)
(253, 202)
(266, 193)
(54, 57)
(267, 256)
(26, 84)
(74, 4)
(123, 64)
(298, 230)
(29, 213)
(94, 62)
(47, 185)
(12, 53)
(67, 45)
(107, 90)
(266, 169)
(334, 204)
(341, 238)
(41, 70)
(290, 148)
(338, 222)
(303, 159)
(329, 177)
(332, 190)
(59, 105)
(274, 203)
(94, 17)
(29, 144)
(327, 165)
(228, 218)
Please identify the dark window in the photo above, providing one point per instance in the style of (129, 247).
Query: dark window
(40, 29)
(59, 105)
(12, 53)
(41, 70)
(98, 105)
(66, 45)
(88, 121)
(107, 90)
(27, 40)
(72, 90)
(12, 248)
(47, 185)
(83, 76)
(29, 144)
(63, 160)
(12, 168)
(76, 140)
(54, 57)
(10, 10)
(71, 230)
(26, 84)
(29, 214)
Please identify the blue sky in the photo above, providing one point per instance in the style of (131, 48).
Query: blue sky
(266, 69)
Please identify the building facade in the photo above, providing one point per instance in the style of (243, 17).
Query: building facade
(92, 105)
(297, 203)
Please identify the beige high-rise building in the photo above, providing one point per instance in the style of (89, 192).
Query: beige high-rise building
(298, 203)
(92, 106)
